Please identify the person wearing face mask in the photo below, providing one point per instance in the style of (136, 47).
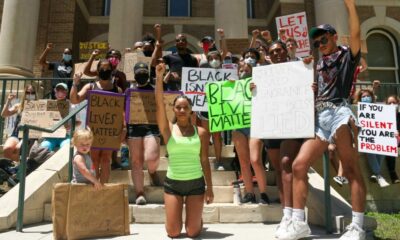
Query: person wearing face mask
(214, 60)
(207, 43)
(61, 93)
(114, 57)
(101, 158)
(61, 69)
(374, 160)
(12, 145)
(391, 161)
(251, 56)
(143, 141)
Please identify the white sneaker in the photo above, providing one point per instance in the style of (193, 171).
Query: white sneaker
(353, 232)
(296, 230)
(282, 227)
(381, 181)
(141, 200)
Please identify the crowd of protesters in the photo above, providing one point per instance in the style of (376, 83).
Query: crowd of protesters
(188, 182)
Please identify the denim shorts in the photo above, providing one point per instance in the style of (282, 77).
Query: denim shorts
(186, 187)
(244, 131)
(330, 119)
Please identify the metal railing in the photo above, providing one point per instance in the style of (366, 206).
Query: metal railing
(24, 152)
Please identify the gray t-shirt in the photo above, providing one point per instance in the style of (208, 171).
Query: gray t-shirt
(77, 177)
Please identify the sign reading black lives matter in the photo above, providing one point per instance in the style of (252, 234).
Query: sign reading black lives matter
(194, 81)
(283, 101)
(105, 119)
(378, 129)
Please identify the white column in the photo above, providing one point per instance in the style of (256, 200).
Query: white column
(231, 15)
(126, 23)
(333, 12)
(18, 37)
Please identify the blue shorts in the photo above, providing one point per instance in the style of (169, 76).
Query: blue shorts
(53, 143)
(244, 131)
(330, 119)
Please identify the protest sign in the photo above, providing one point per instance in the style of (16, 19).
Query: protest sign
(105, 118)
(283, 101)
(45, 113)
(80, 68)
(237, 45)
(140, 107)
(130, 60)
(295, 26)
(86, 49)
(378, 129)
(195, 79)
(229, 105)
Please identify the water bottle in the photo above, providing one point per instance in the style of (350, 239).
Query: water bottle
(236, 193)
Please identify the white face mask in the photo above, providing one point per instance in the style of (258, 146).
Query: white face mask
(251, 61)
(215, 63)
(30, 97)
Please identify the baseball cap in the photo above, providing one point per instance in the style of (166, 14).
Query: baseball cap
(207, 38)
(140, 66)
(318, 30)
(62, 85)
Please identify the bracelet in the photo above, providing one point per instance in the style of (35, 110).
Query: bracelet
(75, 85)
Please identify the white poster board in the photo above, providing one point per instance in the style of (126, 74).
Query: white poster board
(378, 129)
(295, 26)
(283, 101)
(194, 81)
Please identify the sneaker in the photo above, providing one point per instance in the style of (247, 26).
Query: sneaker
(141, 200)
(393, 176)
(340, 180)
(295, 230)
(264, 199)
(249, 198)
(282, 227)
(353, 232)
(381, 181)
(220, 168)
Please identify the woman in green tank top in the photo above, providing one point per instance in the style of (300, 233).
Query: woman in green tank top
(188, 168)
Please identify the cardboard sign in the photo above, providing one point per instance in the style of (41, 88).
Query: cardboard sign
(105, 118)
(296, 28)
(141, 106)
(80, 67)
(130, 60)
(86, 49)
(283, 101)
(229, 105)
(237, 45)
(378, 129)
(195, 79)
(45, 114)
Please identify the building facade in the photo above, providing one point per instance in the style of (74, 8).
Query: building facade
(27, 25)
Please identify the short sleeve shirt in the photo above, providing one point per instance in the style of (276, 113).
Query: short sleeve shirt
(334, 75)
(175, 63)
(60, 70)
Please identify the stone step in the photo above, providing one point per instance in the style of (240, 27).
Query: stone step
(212, 213)
(220, 178)
(222, 194)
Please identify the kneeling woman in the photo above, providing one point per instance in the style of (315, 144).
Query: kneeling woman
(189, 169)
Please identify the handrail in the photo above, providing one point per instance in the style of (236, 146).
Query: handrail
(24, 150)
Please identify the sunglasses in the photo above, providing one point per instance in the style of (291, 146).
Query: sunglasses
(180, 40)
(323, 41)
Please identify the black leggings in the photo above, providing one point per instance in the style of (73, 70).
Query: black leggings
(391, 163)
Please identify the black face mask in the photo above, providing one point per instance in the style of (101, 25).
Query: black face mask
(105, 74)
(148, 53)
(142, 78)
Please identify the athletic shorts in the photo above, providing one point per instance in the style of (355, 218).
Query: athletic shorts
(142, 130)
(244, 131)
(276, 143)
(185, 187)
(329, 120)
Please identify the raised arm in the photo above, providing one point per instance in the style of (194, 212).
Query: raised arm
(87, 71)
(162, 120)
(75, 96)
(43, 56)
(9, 111)
(157, 53)
(354, 27)
(224, 47)
(254, 36)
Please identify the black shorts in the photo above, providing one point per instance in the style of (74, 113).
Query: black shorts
(276, 143)
(185, 188)
(142, 130)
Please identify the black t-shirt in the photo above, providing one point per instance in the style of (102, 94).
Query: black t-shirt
(334, 75)
(175, 63)
(60, 70)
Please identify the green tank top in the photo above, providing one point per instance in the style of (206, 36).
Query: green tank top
(184, 157)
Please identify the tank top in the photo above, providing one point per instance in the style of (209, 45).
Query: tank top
(184, 157)
(77, 176)
(93, 86)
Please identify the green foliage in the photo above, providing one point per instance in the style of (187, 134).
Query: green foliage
(388, 225)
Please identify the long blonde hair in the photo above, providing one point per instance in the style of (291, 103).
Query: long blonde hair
(22, 104)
